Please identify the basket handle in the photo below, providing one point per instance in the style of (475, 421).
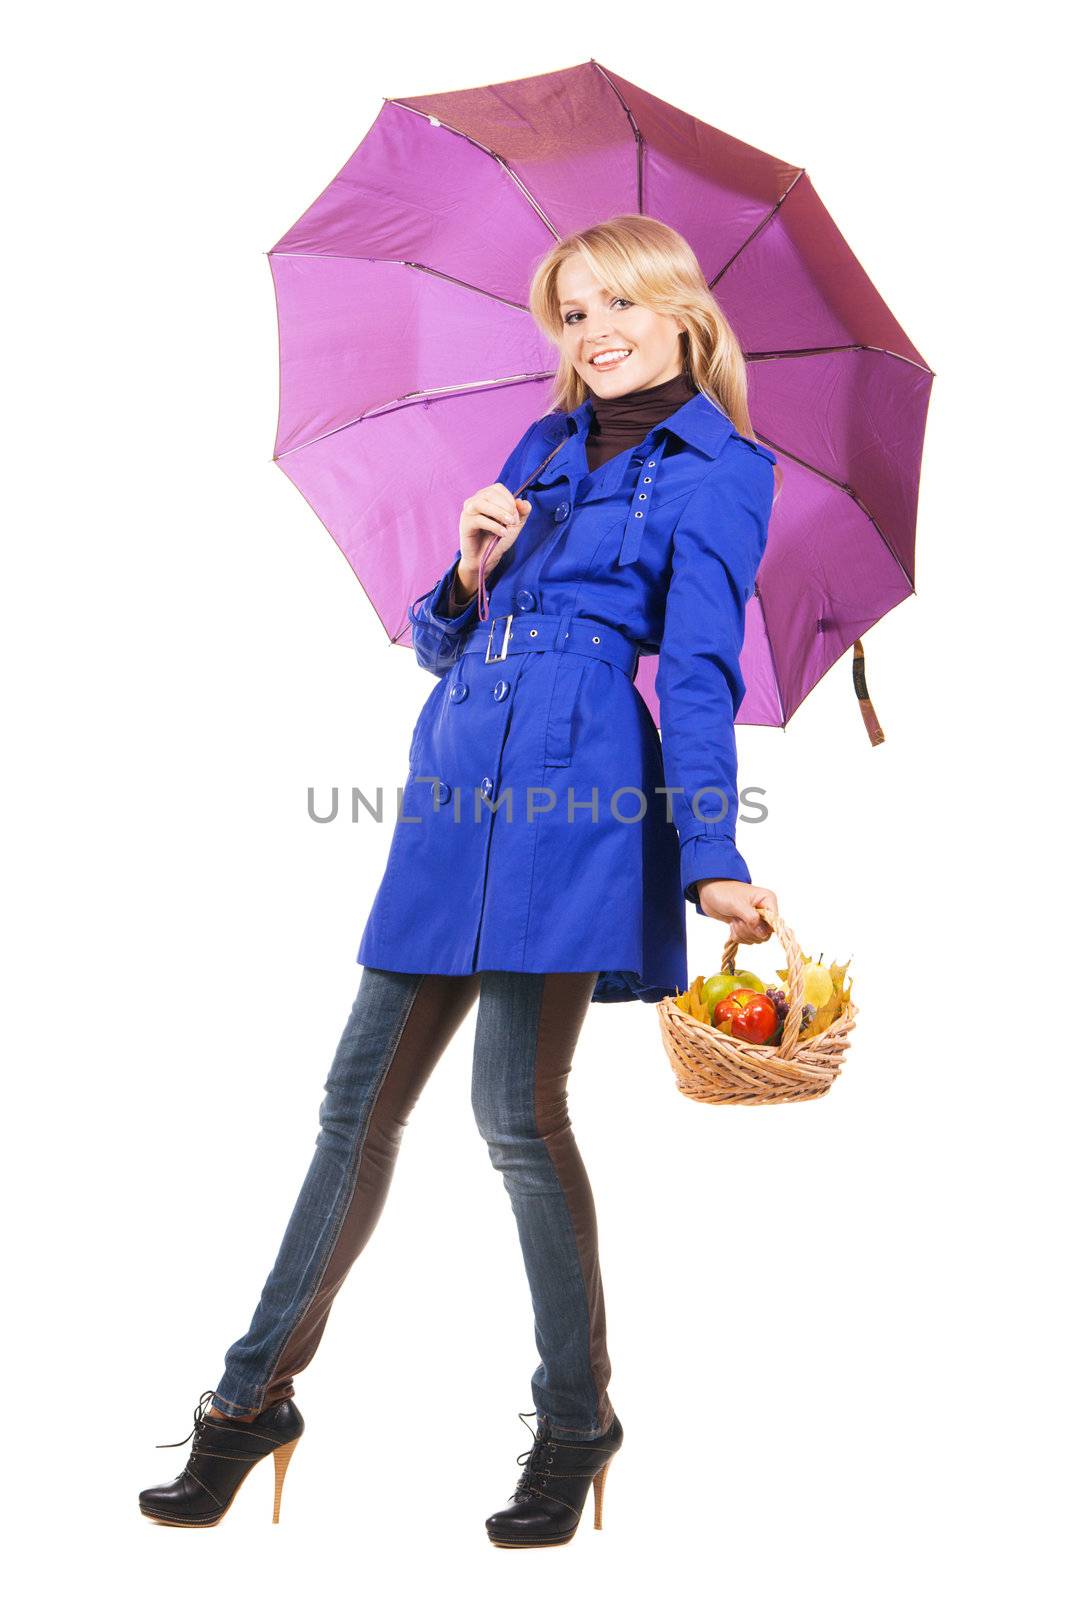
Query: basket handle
(794, 989)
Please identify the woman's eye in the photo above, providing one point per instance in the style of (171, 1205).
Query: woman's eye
(619, 298)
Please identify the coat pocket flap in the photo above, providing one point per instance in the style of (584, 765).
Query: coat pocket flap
(563, 710)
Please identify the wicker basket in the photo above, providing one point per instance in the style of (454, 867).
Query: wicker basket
(711, 1065)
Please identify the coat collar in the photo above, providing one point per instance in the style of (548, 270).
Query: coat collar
(700, 423)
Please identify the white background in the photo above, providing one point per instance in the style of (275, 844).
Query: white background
(836, 1350)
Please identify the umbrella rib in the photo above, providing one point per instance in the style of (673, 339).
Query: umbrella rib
(838, 483)
(833, 350)
(639, 138)
(478, 145)
(393, 261)
(744, 246)
(420, 395)
(758, 228)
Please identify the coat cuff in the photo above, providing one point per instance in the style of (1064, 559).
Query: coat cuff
(708, 857)
(436, 603)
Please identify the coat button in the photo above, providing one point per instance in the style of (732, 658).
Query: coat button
(487, 787)
(442, 792)
(501, 689)
(458, 691)
(563, 511)
(525, 600)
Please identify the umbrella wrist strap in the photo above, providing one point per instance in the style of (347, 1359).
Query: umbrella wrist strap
(494, 539)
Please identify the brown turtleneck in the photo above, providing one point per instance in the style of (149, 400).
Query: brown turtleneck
(620, 421)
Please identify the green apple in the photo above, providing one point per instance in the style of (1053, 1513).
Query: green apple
(718, 987)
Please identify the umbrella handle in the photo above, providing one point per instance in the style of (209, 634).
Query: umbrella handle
(859, 683)
(494, 539)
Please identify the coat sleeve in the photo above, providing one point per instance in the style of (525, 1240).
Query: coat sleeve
(718, 545)
(436, 637)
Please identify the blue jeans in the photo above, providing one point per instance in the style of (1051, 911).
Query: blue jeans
(526, 1030)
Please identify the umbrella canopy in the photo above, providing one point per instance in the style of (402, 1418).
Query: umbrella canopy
(409, 362)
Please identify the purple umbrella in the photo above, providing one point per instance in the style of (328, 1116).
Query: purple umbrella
(409, 363)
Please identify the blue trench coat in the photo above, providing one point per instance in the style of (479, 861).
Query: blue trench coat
(655, 551)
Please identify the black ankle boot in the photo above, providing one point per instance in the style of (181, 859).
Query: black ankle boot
(223, 1454)
(546, 1508)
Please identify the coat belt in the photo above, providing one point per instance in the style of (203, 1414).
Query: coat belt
(501, 637)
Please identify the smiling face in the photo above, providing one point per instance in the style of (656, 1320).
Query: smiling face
(598, 322)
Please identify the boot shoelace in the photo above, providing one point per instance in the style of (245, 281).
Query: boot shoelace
(200, 1422)
(535, 1461)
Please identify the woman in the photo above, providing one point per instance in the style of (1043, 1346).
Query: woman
(641, 535)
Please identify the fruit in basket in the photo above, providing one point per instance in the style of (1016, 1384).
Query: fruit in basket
(780, 1001)
(758, 1022)
(818, 985)
(704, 994)
(718, 986)
(825, 993)
(744, 1014)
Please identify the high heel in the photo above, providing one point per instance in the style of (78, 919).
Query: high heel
(282, 1457)
(223, 1454)
(547, 1505)
(598, 1495)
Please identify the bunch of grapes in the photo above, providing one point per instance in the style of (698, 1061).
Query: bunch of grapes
(780, 1000)
(781, 1003)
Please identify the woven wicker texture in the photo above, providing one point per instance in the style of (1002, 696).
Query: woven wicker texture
(711, 1065)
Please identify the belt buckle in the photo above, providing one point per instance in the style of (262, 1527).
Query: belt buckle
(502, 653)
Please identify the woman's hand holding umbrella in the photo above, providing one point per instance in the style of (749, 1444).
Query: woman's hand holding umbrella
(489, 524)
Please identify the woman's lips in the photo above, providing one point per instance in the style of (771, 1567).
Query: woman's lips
(604, 366)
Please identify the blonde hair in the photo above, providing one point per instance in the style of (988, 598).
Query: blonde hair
(651, 264)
